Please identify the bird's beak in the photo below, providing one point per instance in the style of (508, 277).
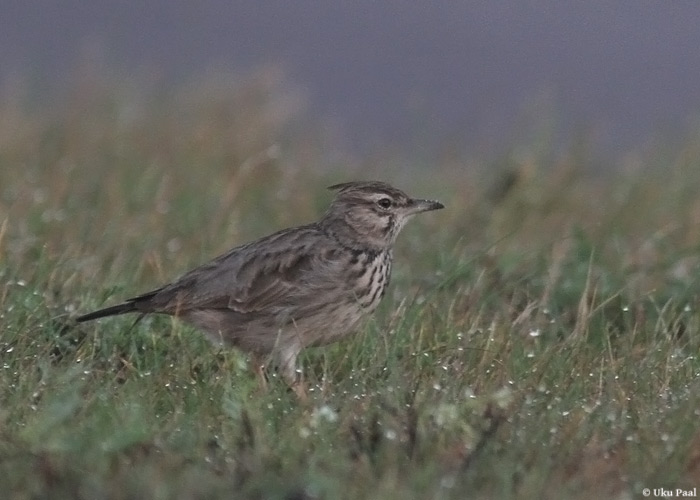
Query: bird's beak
(418, 206)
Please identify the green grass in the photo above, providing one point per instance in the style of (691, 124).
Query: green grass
(540, 339)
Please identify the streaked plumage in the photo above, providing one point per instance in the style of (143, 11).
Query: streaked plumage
(299, 287)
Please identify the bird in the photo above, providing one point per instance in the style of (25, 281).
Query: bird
(300, 287)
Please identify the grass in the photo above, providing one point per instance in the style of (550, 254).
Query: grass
(540, 339)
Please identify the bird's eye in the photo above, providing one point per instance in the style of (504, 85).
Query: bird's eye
(384, 203)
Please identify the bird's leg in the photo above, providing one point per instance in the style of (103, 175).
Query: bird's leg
(258, 364)
(287, 365)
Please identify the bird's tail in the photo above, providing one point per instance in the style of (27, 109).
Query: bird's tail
(141, 304)
(124, 308)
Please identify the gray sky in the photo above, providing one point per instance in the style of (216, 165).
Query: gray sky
(402, 72)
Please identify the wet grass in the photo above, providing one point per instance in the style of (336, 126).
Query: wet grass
(540, 339)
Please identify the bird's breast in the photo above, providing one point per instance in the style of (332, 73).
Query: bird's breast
(373, 274)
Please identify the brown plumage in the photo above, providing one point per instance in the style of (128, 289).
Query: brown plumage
(299, 287)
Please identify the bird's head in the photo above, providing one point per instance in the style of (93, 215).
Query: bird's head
(371, 214)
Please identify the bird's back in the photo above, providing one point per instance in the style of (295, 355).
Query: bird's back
(246, 275)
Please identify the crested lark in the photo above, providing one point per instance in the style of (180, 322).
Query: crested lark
(305, 286)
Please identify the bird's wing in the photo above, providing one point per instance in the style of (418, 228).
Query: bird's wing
(277, 271)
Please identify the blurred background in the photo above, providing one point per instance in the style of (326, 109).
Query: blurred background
(472, 78)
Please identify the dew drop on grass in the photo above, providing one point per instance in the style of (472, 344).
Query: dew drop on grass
(535, 332)
(323, 413)
(39, 196)
(174, 245)
(390, 434)
(447, 482)
(9, 350)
